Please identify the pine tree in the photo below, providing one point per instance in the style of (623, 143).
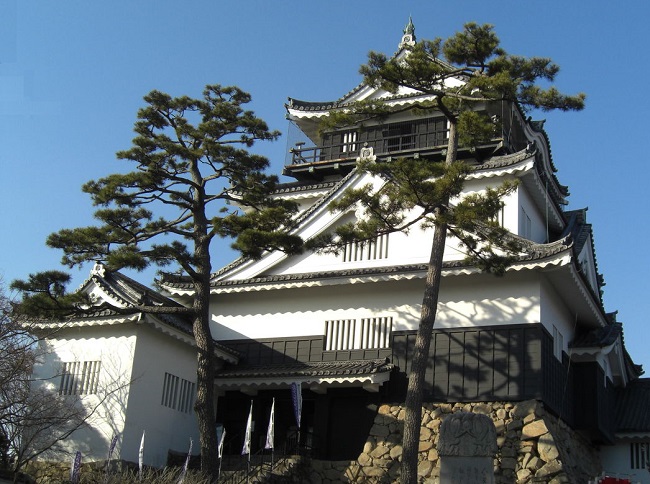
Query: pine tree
(194, 181)
(458, 77)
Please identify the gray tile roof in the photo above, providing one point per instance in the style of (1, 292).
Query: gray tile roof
(132, 293)
(339, 103)
(302, 186)
(314, 369)
(632, 411)
(533, 252)
(599, 337)
(578, 227)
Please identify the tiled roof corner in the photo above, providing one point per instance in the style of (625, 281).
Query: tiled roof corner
(599, 337)
(632, 403)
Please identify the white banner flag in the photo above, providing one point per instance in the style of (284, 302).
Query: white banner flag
(269, 432)
(221, 436)
(246, 449)
(187, 464)
(141, 455)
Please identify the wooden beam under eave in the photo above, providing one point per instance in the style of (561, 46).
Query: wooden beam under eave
(250, 391)
(371, 387)
(320, 389)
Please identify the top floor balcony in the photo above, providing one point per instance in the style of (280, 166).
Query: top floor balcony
(338, 150)
(400, 138)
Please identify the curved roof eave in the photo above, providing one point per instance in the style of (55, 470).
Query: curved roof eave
(304, 109)
(587, 307)
(535, 130)
(317, 376)
(540, 256)
(102, 318)
(108, 318)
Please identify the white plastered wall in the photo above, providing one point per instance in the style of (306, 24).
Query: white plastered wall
(112, 345)
(466, 301)
(554, 312)
(166, 428)
(537, 220)
(616, 463)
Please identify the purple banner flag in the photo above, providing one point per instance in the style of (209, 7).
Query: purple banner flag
(271, 430)
(111, 449)
(296, 398)
(75, 470)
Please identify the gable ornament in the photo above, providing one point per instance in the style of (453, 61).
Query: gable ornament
(98, 269)
(367, 153)
(409, 35)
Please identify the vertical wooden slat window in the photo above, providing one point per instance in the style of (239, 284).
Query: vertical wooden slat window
(367, 250)
(345, 334)
(79, 378)
(177, 393)
(175, 385)
(639, 455)
(65, 379)
(376, 332)
(163, 400)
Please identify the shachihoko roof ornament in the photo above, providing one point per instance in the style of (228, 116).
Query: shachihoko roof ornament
(409, 35)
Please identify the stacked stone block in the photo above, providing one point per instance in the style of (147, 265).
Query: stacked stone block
(534, 446)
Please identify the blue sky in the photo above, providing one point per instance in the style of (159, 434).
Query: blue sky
(73, 73)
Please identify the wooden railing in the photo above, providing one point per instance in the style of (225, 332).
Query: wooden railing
(345, 151)
(260, 466)
(402, 137)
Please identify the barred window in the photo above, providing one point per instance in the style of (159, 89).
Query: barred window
(346, 334)
(366, 250)
(349, 141)
(178, 393)
(79, 378)
(639, 455)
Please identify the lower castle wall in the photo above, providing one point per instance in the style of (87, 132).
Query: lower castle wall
(534, 447)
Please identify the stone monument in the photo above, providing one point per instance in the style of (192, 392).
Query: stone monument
(467, 446)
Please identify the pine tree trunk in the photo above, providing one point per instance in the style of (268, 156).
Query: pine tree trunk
(204, 405)
(206, 360)
(420, 359)
(415, 390)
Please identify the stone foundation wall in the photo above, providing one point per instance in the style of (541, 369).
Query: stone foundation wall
(534, 447)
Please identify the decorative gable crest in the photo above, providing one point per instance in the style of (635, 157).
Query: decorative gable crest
(98, 269)
(409, 35)
(367, 153)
